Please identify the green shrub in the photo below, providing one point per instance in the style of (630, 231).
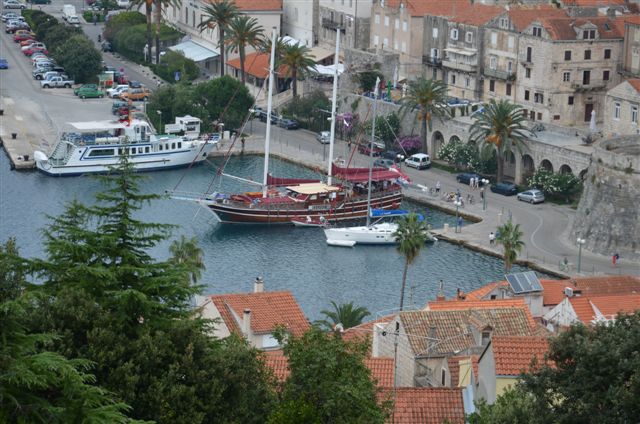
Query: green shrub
(172, 62)
(58, 34)
(564, 186)
(130, 42)
(122, 20)
(89, 14)
(367, 79)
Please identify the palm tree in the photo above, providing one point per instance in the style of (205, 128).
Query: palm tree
(243, 31)
(219, 14)
(148, 9)
(300, 63)
(160, 6)
(186, 252)
(411, 237)
(510, 237)
(345, 314)
(500, 128)
(429, 98)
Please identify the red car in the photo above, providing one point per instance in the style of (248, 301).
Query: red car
(28, 42)
(31, 51)
(20, 37)
(365, 149)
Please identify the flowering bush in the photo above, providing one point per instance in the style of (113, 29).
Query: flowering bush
(466, 156)
(555, 184)
(410, 143)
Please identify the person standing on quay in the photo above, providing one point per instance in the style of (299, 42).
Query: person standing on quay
(492, 238)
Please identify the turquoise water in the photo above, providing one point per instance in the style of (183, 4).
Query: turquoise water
(288, 258)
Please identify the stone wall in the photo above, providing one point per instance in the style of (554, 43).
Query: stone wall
(608, 216)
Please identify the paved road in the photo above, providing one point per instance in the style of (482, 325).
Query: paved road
(546, 226)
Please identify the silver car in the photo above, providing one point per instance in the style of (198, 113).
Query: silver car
(531, 196)
(323, 137)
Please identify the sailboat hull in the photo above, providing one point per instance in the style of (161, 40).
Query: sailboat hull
(231, 212)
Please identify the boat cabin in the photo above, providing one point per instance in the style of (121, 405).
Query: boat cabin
(314, 192)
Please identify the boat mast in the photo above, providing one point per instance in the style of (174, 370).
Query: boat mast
(272, 73)
(373, 138)
(334, 101)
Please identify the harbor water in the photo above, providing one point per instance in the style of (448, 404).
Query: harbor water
(287, 258)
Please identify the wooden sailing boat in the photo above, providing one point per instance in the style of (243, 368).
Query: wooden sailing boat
(283, 201)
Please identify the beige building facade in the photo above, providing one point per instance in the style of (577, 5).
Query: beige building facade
(621, 109)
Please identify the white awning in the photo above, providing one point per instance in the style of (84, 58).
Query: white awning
(463, 52)
(313, 188)
(97, 125)
(329, 70)
(195, 51)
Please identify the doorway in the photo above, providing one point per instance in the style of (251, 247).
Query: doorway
(588, 108)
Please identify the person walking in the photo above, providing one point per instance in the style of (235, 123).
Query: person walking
(95, 19)
(482, 193)
(438, 187)
(615, 258)
(492, 238)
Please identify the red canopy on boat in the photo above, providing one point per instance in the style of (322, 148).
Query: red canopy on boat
(361, 175)
(277, 181)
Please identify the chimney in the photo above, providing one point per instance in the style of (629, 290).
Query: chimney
(431, 341)
(246, 323)
(440, 297)
(258, 285)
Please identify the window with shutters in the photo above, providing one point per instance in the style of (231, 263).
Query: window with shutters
(494, 39)
(587, 55)
(469, 37)
(566, 77)
(454, 34)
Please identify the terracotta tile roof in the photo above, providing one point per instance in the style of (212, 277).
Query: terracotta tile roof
(268, 310)
(258, 5)
(477, 14)
(517, 302)
(431, 7)
(593, 3)
(427, 405)
(635, 83)
(257, 65)
(608, 284)
(364, 330)
(635, 19)
(276, 360)
(481, 292)
(454, 367)
(522, 17)
(513, 355)
(452, 327)
(609, 306)
(381, 370)
(563, 28)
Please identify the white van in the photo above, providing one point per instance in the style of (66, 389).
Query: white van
(418, 161)
(68, 10)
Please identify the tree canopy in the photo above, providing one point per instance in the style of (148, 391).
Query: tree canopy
(594, 378)
(79, 58)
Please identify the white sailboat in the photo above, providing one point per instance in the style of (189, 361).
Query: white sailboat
(378, 232)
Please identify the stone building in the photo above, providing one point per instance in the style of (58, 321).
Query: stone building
(621, 109)
(565, 67)
(608, 217)
(501, 48)
(350, 16)
(631, 50)
(189, 14)
(300, 20)
(465, 49)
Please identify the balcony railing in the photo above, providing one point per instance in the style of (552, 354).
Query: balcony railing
(499, 74)
(328, 23)
(431, 60)
(593, 85)
(461, 66)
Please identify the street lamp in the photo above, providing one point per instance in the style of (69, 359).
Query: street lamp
(458, 203)
(159, 112)
(484, 182)
(580, 242)
(221, 130)
(252, 112)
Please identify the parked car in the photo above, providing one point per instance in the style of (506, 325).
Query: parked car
(262, 115)
(290, 124)
(383, 163)
(506, 189)
(31, 50)
(7, 16)
(324, 137)
(33, 45)
(56, 82)
(23, 36)
(3, 63)
(14, 26)
(47, 74)
(465, 178)
(85, 86)
(13, 4)
(393, 155)
(115, 91)
(39, 1)
(419, 161)
(135, 84)
(122, 4)
(89, 93)
(532, 196)
(136, 94)
(106, 46)
(117, 105)
(366, 149)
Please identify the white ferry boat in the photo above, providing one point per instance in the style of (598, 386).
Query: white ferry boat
(96, 146)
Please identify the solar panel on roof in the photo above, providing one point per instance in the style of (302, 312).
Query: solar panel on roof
(524, 282)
